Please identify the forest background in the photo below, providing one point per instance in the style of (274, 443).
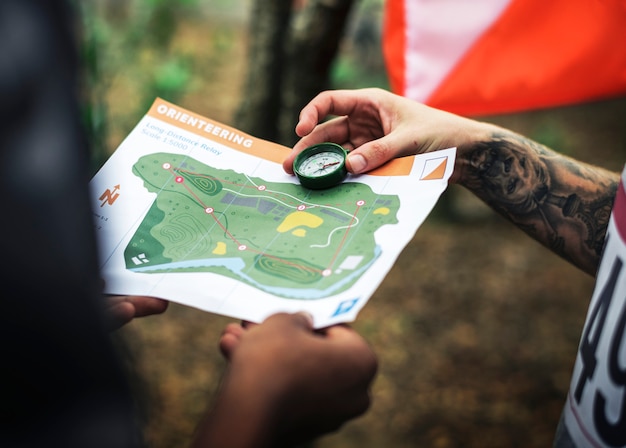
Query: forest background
(476, 327)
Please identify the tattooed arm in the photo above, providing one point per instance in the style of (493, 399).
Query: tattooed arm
(563, 203)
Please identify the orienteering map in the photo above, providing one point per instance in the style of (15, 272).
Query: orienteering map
(193, 211)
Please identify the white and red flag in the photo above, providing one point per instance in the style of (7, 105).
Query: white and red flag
(479, 57)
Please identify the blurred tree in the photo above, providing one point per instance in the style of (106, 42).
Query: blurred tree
(115, 33)
(292, 48)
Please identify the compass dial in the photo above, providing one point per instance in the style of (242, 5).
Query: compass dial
(321, 163)
(321, 166)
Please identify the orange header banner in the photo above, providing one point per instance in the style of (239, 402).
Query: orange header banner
(235, 139)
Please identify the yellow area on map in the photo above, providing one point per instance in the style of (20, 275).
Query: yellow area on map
(382, 211)
(220, 248)
(294, 221)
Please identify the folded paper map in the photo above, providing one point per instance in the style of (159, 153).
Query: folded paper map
(196, 212)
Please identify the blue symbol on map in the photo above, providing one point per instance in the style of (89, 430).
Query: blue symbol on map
(345, 306)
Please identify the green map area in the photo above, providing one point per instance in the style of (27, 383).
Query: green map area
(279, 237)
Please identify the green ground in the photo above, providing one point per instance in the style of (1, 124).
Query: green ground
(280, 238)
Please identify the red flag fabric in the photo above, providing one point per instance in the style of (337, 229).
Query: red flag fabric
(484, 57)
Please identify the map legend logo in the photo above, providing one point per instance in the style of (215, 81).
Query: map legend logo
(434, 169)
(109, 197)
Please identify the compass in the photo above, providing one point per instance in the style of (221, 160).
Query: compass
(321, 166)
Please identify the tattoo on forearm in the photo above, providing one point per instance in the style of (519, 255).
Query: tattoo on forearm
(564, 204)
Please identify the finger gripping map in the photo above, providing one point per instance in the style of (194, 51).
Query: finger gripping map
(258, 232)
(193, 211)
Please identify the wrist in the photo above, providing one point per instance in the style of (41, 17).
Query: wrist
(469, 140)
(246, 413)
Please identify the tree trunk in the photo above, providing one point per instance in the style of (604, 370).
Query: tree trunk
(260, 104)
(290, 58)
(311, 50)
